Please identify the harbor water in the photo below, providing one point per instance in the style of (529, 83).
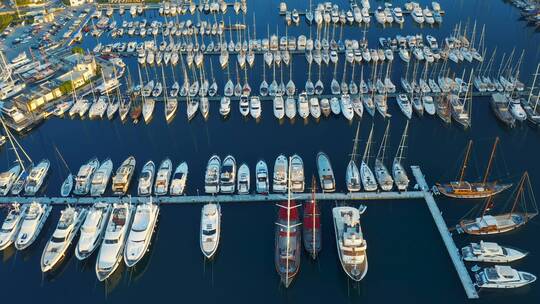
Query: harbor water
(408, 262)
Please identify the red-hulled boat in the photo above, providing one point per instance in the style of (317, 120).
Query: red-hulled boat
(288, 240)
(312, 225)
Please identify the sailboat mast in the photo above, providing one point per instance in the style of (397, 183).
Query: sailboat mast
(402, 142)
(382, 148)
(465, 161)
(368, 146)
(288, 222)
(488, 169)
(532, 87)
(518, 193)
(355, 142)
(313, 190)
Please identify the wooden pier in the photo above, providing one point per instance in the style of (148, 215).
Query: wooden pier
(453, 251)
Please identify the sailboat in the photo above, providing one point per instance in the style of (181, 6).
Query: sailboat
(517, 216)
(381, 172)
(465, 189)
(367, 177)
(288, 241)
(311, 229)
(352, 175)
(398, 171)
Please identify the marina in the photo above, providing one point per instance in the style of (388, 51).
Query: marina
(307, 151)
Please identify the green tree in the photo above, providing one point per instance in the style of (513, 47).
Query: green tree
(66, 87)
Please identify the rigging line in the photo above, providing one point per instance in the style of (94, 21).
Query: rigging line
(12, 139)
(62, 158)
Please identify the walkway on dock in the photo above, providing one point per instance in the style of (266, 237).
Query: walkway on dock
(203, 199)
(453, 251)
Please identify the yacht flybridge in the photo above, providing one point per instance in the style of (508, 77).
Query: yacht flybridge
(92, 230)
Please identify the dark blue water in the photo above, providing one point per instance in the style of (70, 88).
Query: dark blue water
(408, 262)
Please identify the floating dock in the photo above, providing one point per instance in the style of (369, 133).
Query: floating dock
(453, 251)
(421, 191)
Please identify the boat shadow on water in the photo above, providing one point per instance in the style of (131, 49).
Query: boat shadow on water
(8, 253)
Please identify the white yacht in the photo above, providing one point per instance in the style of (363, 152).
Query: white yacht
(314, 107)
(346, 107)
(11, 225)
(33, 220)
(244, 105)
(503, 277)
(297, 180)
(36, 177)
(225, 106)
(112, 247)
(228, 175)
(92, 230)
(488, 252)
(163, 177)
(146, 179)
(83, 180)
(243, 179)
(350, 242)
(326, 174)
(261, 176)
(280, 177)
(303, 105)
(210, 229)
(290, 107)
(279, 107)
(68, 226)
(8, 178)
(140, 234)
(179, 179)
(101, 178)
(429, 105)
(255, 107)
(211, 177)
(122, 178)
(404, 105)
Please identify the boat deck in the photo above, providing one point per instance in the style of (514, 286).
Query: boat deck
(453, 251)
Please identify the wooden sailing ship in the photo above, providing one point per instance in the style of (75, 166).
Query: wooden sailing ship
(472, 190)
(522, 210)
(312, 224)
(288, 240)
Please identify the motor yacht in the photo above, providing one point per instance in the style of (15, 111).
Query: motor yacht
(112, 246)
(33, 220)
(225, 106)
(326, 174)
(228, 175)
(7, 179)
(163, 177)
(489, 252)
(179, 179)
(244, 179)
(68, 226)
(404, 105)
(10, 226)
(262, 177)
(92, 230)
(210, 229)
(146, 179)
(122, 178)
(36, 177)
(503, 277)
(211, 178)
(83, 180)
(279, 107)
(280, 176)
(244, 105)
(140, 233)
(100, 178)
(255, 107)
(350, 241)
(297, 179)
